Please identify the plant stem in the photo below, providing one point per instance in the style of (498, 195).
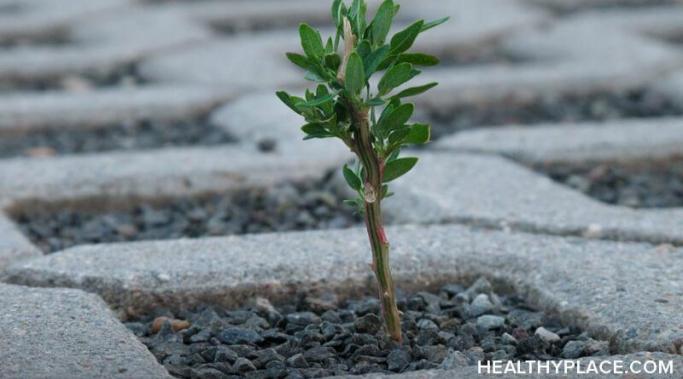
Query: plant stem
(374, 168)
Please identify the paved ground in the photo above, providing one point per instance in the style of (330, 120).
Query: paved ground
(524, 83)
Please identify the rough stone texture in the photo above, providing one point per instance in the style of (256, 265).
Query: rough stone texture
(23, 112)
(629, 292)
(267, 68)
(102, 44)
(14, 245)
(60, 333)
(471, 372)
(492, 191)
(671, 86)
(616, 140)
(44, 17)
(165, 172)
(273, 121)
(563, 57)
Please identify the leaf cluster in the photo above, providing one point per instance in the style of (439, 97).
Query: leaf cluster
(343, 75)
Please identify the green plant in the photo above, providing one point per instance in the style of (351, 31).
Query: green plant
(371, 120)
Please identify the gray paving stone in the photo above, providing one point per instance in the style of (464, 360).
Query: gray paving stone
(492, 191)
(62, 333)
(625, 360)
(614, 140)
(671, 86)
(116, 177)
(261, 63)
(14, 246)
(102, 45)
(262, 116)
(628, 292)
(43, 17)
(563, 57)
(26, 111)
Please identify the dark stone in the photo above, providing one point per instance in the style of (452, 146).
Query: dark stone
(243, 365)
(398, 360)
(236, 336)
(297, 361)
(370, 323)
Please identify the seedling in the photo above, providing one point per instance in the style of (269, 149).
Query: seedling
(372, 120)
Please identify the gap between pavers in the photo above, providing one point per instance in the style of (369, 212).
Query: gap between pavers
(635, 139)
(114, 179)
(24, 112)
(66, 333)
(492, 191)
(626, 292)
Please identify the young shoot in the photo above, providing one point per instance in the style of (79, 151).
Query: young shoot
(371, 117)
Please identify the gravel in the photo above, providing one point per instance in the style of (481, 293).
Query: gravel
(567, 108)
(295, 341)
(126, 75)
(306, 205)
(647, 184)
(122, 137)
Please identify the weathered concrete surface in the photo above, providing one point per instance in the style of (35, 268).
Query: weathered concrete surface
(563, 57)
(263, 117)
(625, 360)
(614, 140)
(63, 333)
(261, 63)
(630, 293)
(492, 191)
(33, 18)
(27, 111)
(14, 246)
(158, 173)
(125, 36)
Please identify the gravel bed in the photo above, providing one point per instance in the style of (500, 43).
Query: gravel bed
(568, 108)
(653, 184)
(123, 76)
(318, 336)
(140, 135)
(284, 207)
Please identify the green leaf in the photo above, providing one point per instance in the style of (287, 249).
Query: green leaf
(355, 74)
(433, 24)
(352, 179)
(311, 42)
(381, 24)
(336, 12)
(316, 102)
(418, 59)
(314, 130)
(298, 60)
(396, 76)
(332, 61)
(404, 39)
(413, 91)
(289, 101)
(418, 134)
(374, 59)
(375, 102)
(397, 168)
(396, 119)
(364, 48)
